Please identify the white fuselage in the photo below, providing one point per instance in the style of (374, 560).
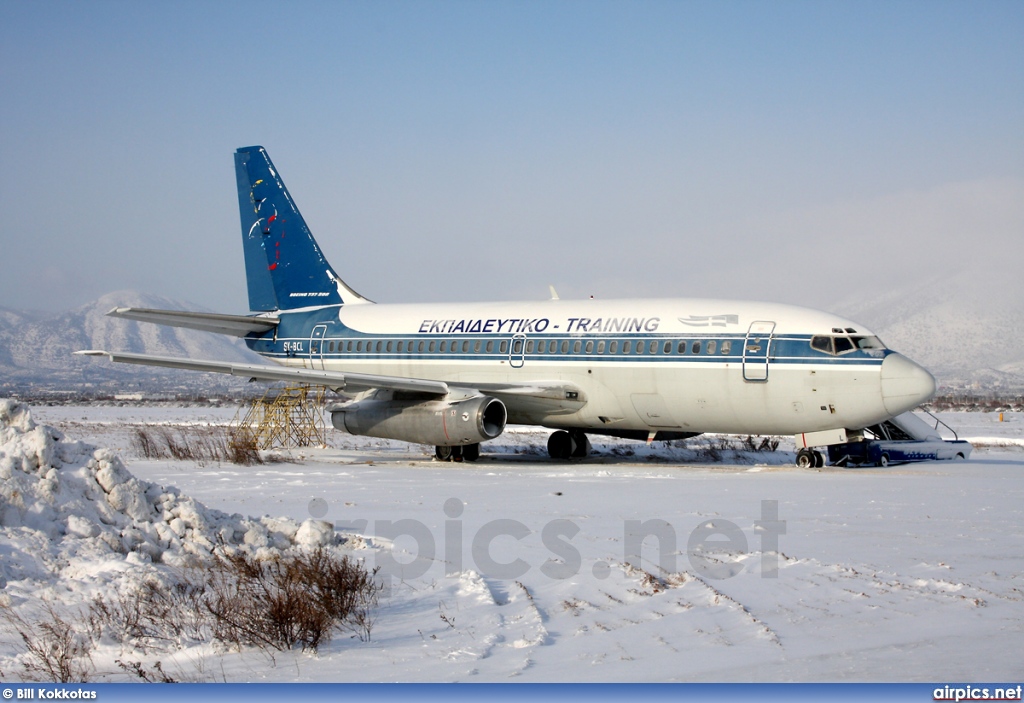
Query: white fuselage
(702, 365)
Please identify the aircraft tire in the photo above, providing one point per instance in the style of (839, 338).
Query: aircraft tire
(560, 445)
(471, 452)
(883, 460)
(443, 453)
(805, 459)
(819, 460)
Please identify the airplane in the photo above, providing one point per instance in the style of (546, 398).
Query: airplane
(454, 375)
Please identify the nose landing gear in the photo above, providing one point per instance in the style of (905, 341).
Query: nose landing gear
(809, 459)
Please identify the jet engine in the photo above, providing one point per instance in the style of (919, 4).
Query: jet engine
(438, 422)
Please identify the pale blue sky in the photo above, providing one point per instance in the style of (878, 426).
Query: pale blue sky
(482, 150)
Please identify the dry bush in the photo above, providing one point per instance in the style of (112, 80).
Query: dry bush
(242, 448)
(57, 650)
(153, 615)
(299, 600)
(138, 670)
(295, 600)
(198, 444)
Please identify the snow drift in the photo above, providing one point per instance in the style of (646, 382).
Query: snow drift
(68, 509)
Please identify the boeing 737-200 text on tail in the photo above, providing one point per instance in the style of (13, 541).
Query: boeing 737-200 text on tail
(452, 375)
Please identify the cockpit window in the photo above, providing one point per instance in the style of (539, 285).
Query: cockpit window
(868, 342)
(841, 344)
(822, 343)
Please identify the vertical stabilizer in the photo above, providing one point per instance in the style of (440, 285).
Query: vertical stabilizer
(284, 267)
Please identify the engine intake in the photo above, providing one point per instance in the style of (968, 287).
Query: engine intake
(436, 422)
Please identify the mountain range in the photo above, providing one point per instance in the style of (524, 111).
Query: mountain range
(969, 336)
(36, 349)
(966, 328)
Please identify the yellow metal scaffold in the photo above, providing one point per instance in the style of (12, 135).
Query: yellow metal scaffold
(286, 417)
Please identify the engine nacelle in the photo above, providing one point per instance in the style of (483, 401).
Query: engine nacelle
(443, 423)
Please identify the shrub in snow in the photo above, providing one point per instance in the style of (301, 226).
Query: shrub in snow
(74, 520)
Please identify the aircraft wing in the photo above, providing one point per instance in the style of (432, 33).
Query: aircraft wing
(236, 325)
(331, 379)
(552, 396)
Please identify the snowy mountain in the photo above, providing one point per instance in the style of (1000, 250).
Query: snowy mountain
(964, 328)
(37, 349)
(966, 333)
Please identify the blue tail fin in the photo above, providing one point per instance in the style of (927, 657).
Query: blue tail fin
(284, 267)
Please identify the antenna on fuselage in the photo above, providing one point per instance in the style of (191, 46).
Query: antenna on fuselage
(554, 293)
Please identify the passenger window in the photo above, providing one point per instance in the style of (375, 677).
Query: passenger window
(667, 348)
(695, 348)
(613, 348)
(419, 347)
(389, 347)
(517, 346)
(431, 347)
(380, 345)
(627, 346)
(576, 346)
(359, 346)
(681, 348)
(726, 347)
(444, 347)
(639, 347)
(600, 347)
(476, 347)
(565, 346)
(490, 346)
(590, 347)
(653, 348)
(529, 347)
(503, 347)
(711, 346)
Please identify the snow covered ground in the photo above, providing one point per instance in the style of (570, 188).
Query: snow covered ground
(519, 569)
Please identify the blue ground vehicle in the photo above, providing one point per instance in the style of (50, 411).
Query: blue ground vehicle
(904, 438)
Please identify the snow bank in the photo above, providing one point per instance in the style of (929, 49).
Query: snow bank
(69, 509)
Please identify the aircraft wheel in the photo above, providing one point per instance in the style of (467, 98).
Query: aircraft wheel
(471, 452)
(581, 445)
(883, 460)
(805, 459)
(443, 453)
(819, 460)
(560, 445)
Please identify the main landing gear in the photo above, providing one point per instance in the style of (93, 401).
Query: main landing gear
(564, 445)
(468, 452)
(809, 459)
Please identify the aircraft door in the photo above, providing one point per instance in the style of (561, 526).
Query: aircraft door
(756, 350)
(316, 347)
(517, 351)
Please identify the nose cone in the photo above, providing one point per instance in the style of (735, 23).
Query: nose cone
(905, 385)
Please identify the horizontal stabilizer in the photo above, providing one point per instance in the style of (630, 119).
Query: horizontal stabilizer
(236, 325)
(329, 379)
